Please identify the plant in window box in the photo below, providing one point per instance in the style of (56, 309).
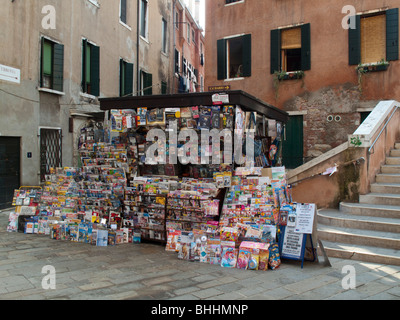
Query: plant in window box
(379, 66)
(363, 69)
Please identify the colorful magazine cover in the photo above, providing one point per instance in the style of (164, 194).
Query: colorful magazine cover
(214, 251)
(229, 254)
(102, 238)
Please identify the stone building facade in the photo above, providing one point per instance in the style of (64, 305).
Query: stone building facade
(57, 59)
(327, 63)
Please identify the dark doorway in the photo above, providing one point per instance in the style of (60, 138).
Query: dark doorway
(10, 155)
(292, 150)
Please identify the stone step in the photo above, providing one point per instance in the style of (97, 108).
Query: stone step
(362, 253)
(337, 218)
(381, 198)
(393, 160)
(388, 240)
(385, 188)
(388, 178)
(395, 153)
(390, 168)
(370, 209)
(397, 145)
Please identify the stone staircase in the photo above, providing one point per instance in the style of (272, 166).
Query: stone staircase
(368, 230)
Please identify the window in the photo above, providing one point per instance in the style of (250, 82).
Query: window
(125, 78)
(234, 57)
(177, 19)
(232, 1)
(177, 61)
(188, 32)
(164, 35)
(90, 68)
(123, 11)
(291, 49)
(375, 38)
(146, 82)
(52, 65)
(143, 18)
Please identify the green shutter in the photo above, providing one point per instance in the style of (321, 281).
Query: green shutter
(41, 62)
(163, 87)
(305, 47)
(247, 55)
(128, 79)
(392, 34)
(275, 50)
(58, 67)
(84, 50)
(121, 78)
(221, 59)
(147, 84)
(355, 43)
(95, 70)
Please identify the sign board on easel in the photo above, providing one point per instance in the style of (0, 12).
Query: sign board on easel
(294, 236)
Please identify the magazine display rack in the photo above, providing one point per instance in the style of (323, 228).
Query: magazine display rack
(26, 202)
(186, 212)
(146, 213)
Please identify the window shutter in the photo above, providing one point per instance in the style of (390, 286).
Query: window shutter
(41, 62)
(121, 78)
(95, 70)
(123, 11)
(275, 50)
(163, 87)
(291, 38)
(58, 67)
(128, 78)
(221, 59)
(305, 47)
(355, 43)
(373, 38)
(247, 55)
(147, 84)
(84, 46)
(392, 34)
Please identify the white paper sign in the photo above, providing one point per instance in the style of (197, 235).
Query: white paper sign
(305, 213)
(292, 244)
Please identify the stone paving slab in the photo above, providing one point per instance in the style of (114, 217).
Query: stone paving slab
(148, 272)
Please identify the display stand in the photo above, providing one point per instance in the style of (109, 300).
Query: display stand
(294, 235)
(297, 248)
(147, 213)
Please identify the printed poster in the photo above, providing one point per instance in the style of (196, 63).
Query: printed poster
(292, 244)
(305, 218)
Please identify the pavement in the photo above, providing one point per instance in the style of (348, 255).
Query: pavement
(147, 272)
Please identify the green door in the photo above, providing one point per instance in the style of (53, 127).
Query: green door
(292, 147)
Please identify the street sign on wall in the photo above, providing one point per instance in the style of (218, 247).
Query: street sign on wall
(10, 74)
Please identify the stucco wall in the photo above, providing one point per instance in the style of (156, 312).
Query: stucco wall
(331, 86)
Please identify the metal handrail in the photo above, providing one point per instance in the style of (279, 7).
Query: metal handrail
(384, 127)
